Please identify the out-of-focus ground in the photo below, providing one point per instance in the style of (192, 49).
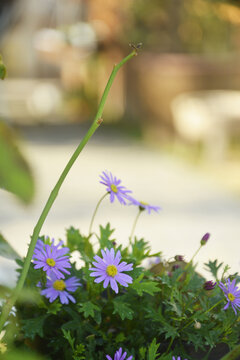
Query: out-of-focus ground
(192, 203)
(171, 127)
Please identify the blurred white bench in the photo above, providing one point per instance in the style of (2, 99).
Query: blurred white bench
(208, 116)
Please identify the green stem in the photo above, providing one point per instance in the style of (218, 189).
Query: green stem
(190, 322)
(169, 345)
(233, 355)
(95, 211)
(97, 121)
(189, 263)
(134, 225)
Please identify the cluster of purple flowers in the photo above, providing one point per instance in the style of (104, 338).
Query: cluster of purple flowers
(119, 192)
(53, 259)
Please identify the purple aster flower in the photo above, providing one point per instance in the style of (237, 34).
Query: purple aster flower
(114, 188)
(119, 356)
(59, 288)
(109, 270)
(51, 258)
(145, 206)
(232, 294)
(178, 358)
(209, 285)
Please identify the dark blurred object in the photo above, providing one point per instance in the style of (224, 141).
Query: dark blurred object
(6, 14)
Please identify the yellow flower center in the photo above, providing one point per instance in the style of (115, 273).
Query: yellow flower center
(50, 262)
(231, 297)
(144, 203)
(59, 285)
(111, 270)
(114, 188)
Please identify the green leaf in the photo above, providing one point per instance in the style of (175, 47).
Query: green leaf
(122, 309)
(104, 238)
(68, 337)
(88, 309)
(213, 267)
(6, 250)
(150, 287)
(142, 352)
(33, 327)
(76, 241)
(54, 308)
(15, 174)
(120, 337)
(3, 70)
(140, 250)
(152, 351)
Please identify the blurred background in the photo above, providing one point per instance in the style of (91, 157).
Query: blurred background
(171, 125)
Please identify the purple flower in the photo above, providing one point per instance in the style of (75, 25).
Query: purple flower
(209, 285)
(232, 294)
(145, 206)
(178, 358)
(119, 356)
(205, 238)
(114, 188)
(59, 288)
(51, 258)
(109, 270)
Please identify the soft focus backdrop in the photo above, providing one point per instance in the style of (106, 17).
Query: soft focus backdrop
(171, 125)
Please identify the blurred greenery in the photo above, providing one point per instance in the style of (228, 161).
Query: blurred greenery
(188, 26)
(15, 174)
(20, 355)
(3, 70)
(6, 250)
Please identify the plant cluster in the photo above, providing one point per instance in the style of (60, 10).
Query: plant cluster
(109, 305)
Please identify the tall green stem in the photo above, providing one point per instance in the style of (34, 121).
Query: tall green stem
(95, 211)
(189, 263)
(97, 121)
(134, 225)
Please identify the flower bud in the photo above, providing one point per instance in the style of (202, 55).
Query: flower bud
(197, 325)
(179, 258)
(209, 285)
(205, 238)
(175, 267)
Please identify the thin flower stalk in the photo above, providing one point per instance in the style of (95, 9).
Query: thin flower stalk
(134, 225)
(53, 195)
(95, 212)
